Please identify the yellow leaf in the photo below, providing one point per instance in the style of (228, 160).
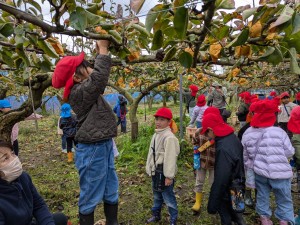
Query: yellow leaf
(214, 51)
(236, 71)
(255, 30)
(56, 45)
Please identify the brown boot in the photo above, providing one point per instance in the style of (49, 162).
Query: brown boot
(70, 157)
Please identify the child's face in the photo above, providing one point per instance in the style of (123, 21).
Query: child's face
(285, 100)
(161, 122)
(210, 134)
(5, 110)
(6, 156)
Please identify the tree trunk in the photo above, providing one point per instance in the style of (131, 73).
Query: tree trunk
(134, 121)
(150, 101)
(164, 100)
(175, 99)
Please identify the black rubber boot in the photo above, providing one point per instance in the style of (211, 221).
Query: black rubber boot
(248, 199)
(239, 220)
(154, 218)
(86, 219)
(111, 214)
(298, 180)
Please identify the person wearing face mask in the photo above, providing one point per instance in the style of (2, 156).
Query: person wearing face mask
(20, 203)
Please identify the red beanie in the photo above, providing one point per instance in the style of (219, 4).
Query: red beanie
(298, 96)
(201, 100)
(294, 121)
(213, 110)
(273, 93)
(164, 112)
(264, 113)
(216, 123)
(284, 94)
(64, 71)
(194, 89)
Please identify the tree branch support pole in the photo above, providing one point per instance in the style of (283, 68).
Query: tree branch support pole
(181, 104)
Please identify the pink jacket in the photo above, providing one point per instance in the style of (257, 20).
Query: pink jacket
(267, 151)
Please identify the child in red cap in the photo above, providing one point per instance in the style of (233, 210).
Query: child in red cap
(198, 111)
(297, 99)
(243, 108)
(94, 157)
(294, 127)
(163, 152)
(228, 166)
(284, 112)
(267, 150)
(190, 97)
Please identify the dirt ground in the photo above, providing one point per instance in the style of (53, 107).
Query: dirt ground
(57, 181)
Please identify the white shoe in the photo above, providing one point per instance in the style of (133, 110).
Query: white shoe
(64, 151)
(73, 150)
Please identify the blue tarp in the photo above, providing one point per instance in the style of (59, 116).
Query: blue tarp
(53, 105)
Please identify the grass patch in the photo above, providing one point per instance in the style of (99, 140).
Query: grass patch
(57, 181)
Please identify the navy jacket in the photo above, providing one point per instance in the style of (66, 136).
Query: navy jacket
(228, 165)
(20, 203)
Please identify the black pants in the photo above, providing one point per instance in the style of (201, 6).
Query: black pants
(70, 142)
(283, 126)
(16, 147)
(59, 219)
(123, 124)
(228, 215)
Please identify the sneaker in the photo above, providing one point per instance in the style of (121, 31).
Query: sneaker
(73, 150)
(64, 151)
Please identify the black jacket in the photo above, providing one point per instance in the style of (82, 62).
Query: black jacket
(228, 165)
(96, 120)
(20, 203)
(68, 125)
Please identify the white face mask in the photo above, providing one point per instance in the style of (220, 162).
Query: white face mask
(12, 170)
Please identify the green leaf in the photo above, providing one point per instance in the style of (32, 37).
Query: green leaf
(78, 19)
(222, 32)
(181, 22)
(225, 4)
(7, 29)
(178, 3)
(170, 32)
(152, 15)
(186, 59)
(141, 29)
(45, 66)
(20, 51)
(92, 19)
(6, 57)
(35, 5)
(248, 12)
(47, 48)
(158, 40)
(170, 54)
(240, 39)
(272, 55)
(296, 24)
(284, 17)
(294, 63)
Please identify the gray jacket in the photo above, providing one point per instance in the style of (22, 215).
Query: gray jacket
(96, 120)
(217, 98)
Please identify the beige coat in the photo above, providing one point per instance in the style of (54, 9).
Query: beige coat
(283, 117)
(166, 152)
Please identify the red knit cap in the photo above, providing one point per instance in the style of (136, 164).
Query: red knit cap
(264, 113)
(201, 100)
(64, 71)
(194, 89)
(164, 112)
(294, 121)
(284, 94)
(298, 96)
(273, 93)
(216, 123)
